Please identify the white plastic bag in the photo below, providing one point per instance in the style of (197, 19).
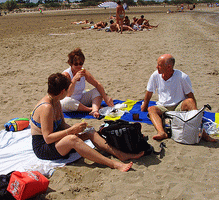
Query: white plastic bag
(115, 111)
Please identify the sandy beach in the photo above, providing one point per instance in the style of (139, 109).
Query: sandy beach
(34, 45)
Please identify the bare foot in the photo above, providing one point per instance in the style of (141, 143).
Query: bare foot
(160, 136)
(127, 156)
(95, 114)
(124, 167)
(207, 138)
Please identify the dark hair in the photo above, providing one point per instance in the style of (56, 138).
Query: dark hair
(119, 2)
(111, 21)
(74, 56)
(142, 16)
(57, 82)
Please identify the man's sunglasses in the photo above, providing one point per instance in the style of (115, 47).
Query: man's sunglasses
(80, 63)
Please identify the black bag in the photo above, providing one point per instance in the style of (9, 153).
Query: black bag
(4, 181)
(125, 136)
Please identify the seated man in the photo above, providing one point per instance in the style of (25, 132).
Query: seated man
(140, 21)
(98, 25)
(174, 91)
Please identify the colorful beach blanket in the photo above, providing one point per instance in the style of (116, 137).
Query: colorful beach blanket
(134, 107)
(16, 154)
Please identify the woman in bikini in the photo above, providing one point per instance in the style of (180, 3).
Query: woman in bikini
(77, 98)
(53, 139)
(120, 15)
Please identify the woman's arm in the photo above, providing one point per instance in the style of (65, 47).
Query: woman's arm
(90, 79)
(76, 77)
(47, 119)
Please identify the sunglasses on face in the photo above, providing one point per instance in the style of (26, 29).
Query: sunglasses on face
(80, 63)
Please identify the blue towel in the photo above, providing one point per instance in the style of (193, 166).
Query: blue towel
(135, 109)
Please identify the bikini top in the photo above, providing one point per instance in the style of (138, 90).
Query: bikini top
(55, 123)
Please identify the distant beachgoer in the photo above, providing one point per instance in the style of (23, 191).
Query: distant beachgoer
(141, 20)
(120, 15)
(41, 10)
(114, 27)
(98, 25)
(182, 7)
(146, 25)
(133, 24)
(81, 22)
(126, 21)
(193, 6)
(77, 98)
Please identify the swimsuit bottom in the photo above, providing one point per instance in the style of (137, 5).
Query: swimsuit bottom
(46, 151)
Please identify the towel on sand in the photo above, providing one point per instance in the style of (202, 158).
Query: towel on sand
(16, 154)
(134, 107)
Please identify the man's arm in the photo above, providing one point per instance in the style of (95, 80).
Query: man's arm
(144, 106)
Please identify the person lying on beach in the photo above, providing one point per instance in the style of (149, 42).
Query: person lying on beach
(53, 139)
(147, 26)
(174, 91)
(98, 25)
(77, 98)
(114, 27)
(81, 22)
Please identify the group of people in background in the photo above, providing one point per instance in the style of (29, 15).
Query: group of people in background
(122, 22)
(135, 25)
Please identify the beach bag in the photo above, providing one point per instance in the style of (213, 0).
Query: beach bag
(125, 136)
(17, 124)
(186, 126)
(4, 181)
(24, 185)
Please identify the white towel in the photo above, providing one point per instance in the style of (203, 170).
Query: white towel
(16, 154)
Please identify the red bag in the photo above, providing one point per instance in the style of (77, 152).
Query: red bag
(24, 185)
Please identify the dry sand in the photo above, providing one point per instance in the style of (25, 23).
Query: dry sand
(123, 64)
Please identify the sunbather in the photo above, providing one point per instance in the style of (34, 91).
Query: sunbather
(114, 27)
(147, 26)
(53, 139)
(140, 21)
(81, 22)
(98, 25)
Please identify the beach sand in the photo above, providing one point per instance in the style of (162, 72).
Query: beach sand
(34, 45)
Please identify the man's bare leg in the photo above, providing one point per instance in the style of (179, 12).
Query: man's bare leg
(207, 138)
(155, 116)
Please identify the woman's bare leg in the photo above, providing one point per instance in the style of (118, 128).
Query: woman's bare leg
(96, 103)
(101, 144)
(74, 142)
(84, 108)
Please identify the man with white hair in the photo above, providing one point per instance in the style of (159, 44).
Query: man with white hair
(174, 91)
